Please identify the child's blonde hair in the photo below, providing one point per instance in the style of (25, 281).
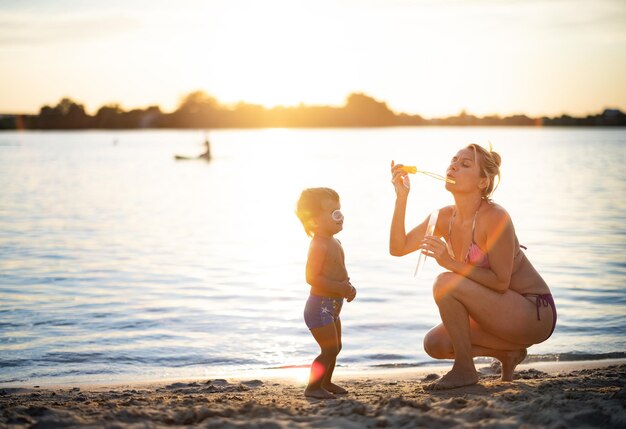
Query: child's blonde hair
(309, 205)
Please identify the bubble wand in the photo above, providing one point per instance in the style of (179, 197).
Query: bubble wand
(411, 169)
(430, 230)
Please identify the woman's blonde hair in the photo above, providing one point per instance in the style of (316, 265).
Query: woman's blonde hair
(489, 164)
(309, 205)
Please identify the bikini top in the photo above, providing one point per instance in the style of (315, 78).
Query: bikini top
(475, 255)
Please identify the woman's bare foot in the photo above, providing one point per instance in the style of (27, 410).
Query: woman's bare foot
(455, 378)
(319, 393)
(510, 360)
(333, 388)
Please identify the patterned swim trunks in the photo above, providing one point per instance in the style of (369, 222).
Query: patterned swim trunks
(321, 310)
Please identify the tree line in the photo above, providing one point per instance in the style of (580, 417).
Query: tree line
(200, 110)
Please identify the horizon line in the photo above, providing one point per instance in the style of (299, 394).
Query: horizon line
(303, 104)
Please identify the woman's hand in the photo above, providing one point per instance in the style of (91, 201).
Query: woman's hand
(400, 180)
(436, 248)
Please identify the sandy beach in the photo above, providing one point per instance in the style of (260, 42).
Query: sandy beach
(550, 395)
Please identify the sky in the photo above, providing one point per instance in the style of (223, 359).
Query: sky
(429, 57)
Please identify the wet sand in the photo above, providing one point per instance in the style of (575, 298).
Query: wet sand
(550, 395)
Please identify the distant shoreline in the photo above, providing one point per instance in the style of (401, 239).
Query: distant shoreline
(202, 129)
(201, 111)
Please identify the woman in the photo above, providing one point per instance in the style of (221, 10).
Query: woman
(491, 299)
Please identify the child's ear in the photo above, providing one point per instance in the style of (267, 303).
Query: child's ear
(312, 223)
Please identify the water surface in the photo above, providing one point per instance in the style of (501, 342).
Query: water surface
(118, 263)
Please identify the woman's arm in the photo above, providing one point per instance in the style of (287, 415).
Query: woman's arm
(500, 247)
(401, 243)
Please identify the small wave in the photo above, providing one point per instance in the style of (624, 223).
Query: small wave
(101, 315)
(135, 325)
(54, 323)
(178, 361)
(12, 363)
(9, 325)
(383, 356)
(372, 299)
(411, 364)
(411, 327)
(56, 256)
(574, 357)
(12, 380)
(191, 361)
(554, 357)
(603, 328)
(155, 310)
(72, 372)
(288, 366)
(617, 264)
(60, 357)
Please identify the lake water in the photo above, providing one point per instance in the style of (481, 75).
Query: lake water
(119, 263)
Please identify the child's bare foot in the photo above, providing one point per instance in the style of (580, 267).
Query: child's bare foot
(455, 378)
(509, 361)
(319, 393)
(333, 388)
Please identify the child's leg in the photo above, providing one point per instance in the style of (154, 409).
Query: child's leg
(326, 337)
(326, 382)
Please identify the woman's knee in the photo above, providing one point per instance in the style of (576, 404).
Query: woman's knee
(445, 284)
(437, 344)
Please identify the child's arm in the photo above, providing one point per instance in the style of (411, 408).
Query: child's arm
(314, 277)
(352, 293)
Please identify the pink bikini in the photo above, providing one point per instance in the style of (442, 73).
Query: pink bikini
(475, 255)
(480, 259)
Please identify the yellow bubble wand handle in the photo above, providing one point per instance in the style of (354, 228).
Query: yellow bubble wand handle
(411, 169)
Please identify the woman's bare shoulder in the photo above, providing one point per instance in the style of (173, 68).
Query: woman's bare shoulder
(446, 211)
(443, 220)
(496, 214)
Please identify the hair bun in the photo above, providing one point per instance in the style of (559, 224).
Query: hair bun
(496, 158)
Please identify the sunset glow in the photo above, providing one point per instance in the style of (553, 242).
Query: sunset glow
(427, 58)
